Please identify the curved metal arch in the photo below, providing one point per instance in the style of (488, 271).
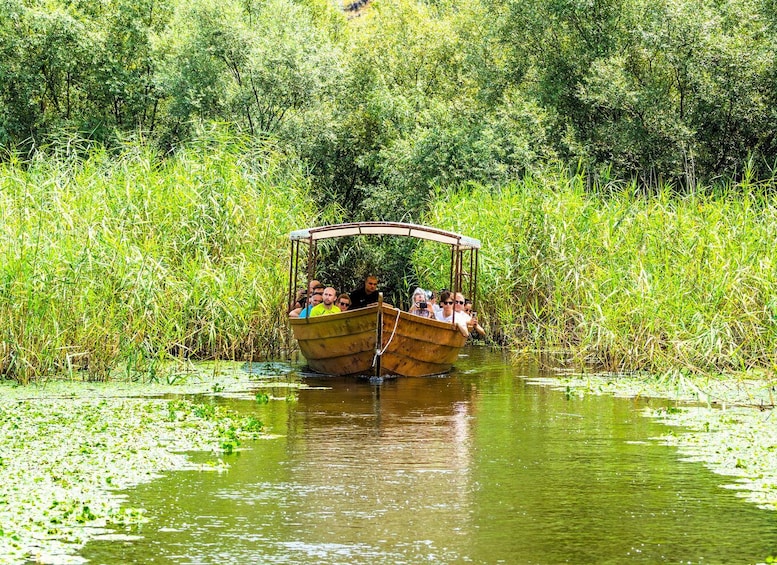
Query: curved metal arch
(386, 228)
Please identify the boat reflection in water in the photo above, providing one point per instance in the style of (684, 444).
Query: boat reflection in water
(387, 469)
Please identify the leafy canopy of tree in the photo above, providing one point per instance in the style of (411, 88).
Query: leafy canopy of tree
(411, 96)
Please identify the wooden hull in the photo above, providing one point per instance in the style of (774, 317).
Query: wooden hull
(344, 344)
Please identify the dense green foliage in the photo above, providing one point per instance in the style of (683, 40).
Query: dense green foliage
(456, 114)
(130, 259)
(411, 95)
(625, 281)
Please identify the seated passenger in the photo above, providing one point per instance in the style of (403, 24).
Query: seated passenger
(447, 311)
(327, 306)
(436, 306)
(420, 306)
(458, 307)
(302, 295)
(300, 298)
(475, 327)
(344, 302)
(366, 294)
(304, 311)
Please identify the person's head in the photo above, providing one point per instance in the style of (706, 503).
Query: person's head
(314, 284)
(316, 298)
(370, 284)
(344, 301)
(446, 301)
(467, 305)
(329, 296)
(419, 295)
(459, 298)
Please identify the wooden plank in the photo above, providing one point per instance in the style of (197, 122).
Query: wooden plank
(344, 344)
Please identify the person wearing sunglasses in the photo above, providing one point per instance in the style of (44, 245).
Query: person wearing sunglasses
(458, 306)
(447, 311)
(463, 308)
(344, 302)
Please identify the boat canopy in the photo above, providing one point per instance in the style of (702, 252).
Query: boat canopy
(464, 250)
(386, 228)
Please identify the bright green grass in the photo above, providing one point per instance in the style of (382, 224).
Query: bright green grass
(119, 261)
(626, 282)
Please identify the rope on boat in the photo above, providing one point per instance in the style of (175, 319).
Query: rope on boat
(382, 351)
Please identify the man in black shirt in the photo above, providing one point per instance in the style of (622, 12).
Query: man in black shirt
(365, 294)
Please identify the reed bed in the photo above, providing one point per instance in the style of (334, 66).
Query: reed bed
(115, 262)
(624, 281)
(119, 261)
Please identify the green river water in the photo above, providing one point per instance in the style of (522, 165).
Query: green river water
(476, 467)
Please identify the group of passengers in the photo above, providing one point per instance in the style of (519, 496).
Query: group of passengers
(452, 307)
(320, 300)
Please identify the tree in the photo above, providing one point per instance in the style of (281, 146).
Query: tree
(254, 64)
(40, 49)
(122, 85)
(686, 95)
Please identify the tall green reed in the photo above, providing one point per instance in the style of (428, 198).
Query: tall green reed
(124, 260)
(623, 280)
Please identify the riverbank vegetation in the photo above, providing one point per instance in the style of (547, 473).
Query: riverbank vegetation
(616, 159)
(626, 281)
(114, 262)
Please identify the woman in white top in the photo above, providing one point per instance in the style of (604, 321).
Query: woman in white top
(446, 314)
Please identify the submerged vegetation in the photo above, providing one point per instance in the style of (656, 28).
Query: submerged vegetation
(68, 450)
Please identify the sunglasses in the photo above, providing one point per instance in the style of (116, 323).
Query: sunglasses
(459, 302)
(342, 303)
(448, 302)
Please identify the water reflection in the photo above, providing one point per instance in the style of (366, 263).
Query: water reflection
(477, 467)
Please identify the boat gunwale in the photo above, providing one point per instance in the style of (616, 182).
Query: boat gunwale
(390, 318)
(371, 310)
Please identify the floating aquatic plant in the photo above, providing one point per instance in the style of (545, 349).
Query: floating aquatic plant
(68, 448)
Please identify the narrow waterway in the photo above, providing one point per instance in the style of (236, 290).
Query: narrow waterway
(476, 467)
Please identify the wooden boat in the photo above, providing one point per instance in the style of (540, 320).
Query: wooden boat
(381, 340)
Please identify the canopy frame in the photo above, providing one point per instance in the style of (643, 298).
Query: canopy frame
(464, 250)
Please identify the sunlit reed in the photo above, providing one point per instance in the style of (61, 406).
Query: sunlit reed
(111, 263)
(623, 280)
